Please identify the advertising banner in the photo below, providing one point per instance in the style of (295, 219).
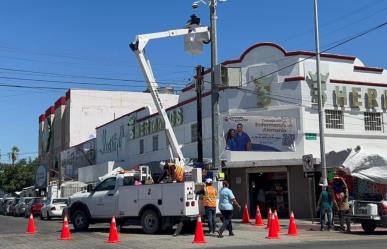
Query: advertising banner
(260, 133)
(41, 177)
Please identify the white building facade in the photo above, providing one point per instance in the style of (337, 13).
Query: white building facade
(69, 125)
(273, 95)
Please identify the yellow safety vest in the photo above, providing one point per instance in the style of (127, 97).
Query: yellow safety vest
(209, 198)
(179, 171)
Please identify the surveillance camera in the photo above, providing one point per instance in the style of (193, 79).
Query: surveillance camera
(195, 5)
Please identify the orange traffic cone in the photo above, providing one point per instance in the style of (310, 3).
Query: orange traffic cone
(273, 232)
(246, 216)
(113, 234)
(31, 225)
(65, 234)
(277, 224)
(268, 219)
(199, 234)
(292, 230)
(258, 217)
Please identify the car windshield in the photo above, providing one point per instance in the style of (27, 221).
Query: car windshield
(57, 201)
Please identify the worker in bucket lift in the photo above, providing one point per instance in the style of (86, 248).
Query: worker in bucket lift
(209, 202)
(171, 173)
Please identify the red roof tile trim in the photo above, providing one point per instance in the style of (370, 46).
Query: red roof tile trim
(291, 53)
(60, 101)
(296, 78)
(358, 83)
(368, 69)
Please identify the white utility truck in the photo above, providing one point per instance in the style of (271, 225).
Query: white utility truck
(368, 162)
(157, 206)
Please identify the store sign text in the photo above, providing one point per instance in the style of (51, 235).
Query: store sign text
(154, 125)
(356, 100)
(114, 142)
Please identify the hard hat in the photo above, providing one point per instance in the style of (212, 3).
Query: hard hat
(208, 180)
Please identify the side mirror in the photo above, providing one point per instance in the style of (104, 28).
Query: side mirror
(89, 188)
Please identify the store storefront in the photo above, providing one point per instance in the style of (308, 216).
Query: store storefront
(269, 190)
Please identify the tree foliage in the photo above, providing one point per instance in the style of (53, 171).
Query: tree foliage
(16, 176)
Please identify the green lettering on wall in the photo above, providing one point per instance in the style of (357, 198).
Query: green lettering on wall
(372, 94)
(384, 103)
(341, 96)
(355, 97)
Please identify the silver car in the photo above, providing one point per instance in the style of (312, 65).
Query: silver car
(21, 207)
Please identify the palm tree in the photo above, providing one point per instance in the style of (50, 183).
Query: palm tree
(13, 154)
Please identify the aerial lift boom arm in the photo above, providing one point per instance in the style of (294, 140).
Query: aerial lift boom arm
(138, 47)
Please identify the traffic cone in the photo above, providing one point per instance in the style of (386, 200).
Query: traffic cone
(258, 217)
(65, 234)
(31, 225)
(199, 234)
(277, 224)
(273, 230)
(268, 219)
(246, 216)
(113, 234)
(292, 230)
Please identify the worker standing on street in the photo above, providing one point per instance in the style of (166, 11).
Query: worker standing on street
(209, 202)
(226, 201)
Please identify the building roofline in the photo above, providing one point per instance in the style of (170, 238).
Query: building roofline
(287, 53)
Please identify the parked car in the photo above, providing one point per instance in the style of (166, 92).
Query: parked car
(20, 208)
(53, 208)
(8, 206)
(36, 207)
(12, 207)
(28, 207)
(3, 204)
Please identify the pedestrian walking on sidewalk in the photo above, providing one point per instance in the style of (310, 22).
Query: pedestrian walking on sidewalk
(209, 202)
(324, 205)
(226, 202)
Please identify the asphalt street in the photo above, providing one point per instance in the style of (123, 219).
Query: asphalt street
(13, 236)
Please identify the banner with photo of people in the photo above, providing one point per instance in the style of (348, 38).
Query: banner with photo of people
(259, 133)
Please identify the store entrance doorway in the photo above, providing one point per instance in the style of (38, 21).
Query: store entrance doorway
(269, 190)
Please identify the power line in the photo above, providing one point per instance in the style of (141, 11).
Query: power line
(87, 77)
(77, 83)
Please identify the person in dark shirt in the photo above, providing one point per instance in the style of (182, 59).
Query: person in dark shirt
(243, 142)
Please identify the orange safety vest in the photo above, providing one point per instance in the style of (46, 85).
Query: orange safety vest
(209, 197)
(179, 171)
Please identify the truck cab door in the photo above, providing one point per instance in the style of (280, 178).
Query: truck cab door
(103, 200)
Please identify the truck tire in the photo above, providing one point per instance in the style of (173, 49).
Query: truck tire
(368, 226)
(80, 220)
(150, 221)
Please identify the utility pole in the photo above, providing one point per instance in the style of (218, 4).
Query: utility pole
(199, 88)
(320, 100)
(214, 89)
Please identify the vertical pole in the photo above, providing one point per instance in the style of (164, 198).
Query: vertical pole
(311, 188)
(320, 100)
(214, 90)
(199, 84)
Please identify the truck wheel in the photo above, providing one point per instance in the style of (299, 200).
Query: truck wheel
(150, 221)
(368, 227)
(80, 220)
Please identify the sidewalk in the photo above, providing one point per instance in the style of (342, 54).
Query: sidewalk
(302, 224)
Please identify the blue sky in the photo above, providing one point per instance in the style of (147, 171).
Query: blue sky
(91, 37)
